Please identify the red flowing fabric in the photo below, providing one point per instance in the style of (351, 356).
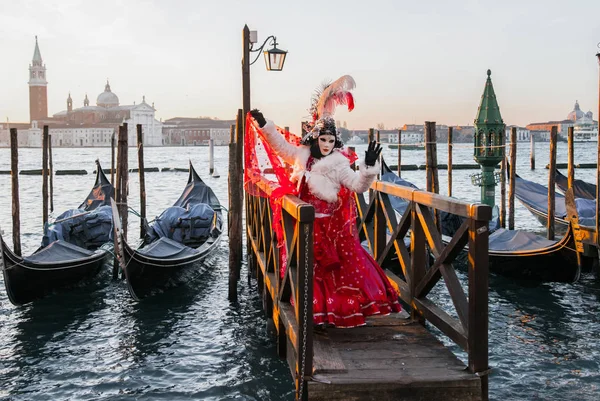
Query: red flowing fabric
(348, 283)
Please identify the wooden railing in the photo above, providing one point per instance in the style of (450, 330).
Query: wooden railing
(430, 260)
(418, 270)
(294, 322)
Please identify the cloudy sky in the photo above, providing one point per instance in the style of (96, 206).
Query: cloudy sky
(412, 61)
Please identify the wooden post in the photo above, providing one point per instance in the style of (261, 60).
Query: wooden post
(230, 173)
(51, 173)
(14, 173)
(122, 178)
(571, 159)
(551, 181)
(45, 176)
(112, 158)
(449, 161)
(245, 72)
(211, 156)
(532, 137)
(512, 176)
(598, 161)
(431, 167)
(478, 301)
(503, 193)
(236, 199)
(399, 153)
(140, 144)
(371, 137)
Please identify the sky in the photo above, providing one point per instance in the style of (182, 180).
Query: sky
(412, 61)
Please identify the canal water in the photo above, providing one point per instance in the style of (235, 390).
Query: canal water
(94, 342)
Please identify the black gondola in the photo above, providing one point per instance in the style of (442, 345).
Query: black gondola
(177, 241)
(70, 250)
(512, 253)
(581, 189)
(534, 197)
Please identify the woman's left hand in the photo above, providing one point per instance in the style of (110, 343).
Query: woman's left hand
(372, 153)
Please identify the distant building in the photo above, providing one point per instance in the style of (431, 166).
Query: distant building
(184, 131)
(584, 125)
(523, 134)
(84, 126)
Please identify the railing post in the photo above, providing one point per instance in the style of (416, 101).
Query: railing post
(380, 232)
(417, 260)
(304, 299)
(478, 297)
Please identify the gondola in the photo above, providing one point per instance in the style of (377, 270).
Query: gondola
(534, 197)
(581, 188)
(513, 253)
(175, 243)
(70, 252)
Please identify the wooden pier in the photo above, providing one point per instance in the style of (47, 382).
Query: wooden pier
(393, 357)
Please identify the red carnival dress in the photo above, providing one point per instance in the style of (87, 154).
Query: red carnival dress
(349, 285)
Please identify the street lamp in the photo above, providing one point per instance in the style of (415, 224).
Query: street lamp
(274, 60)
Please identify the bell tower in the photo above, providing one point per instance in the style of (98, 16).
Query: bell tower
(38, 87)
(69, 103)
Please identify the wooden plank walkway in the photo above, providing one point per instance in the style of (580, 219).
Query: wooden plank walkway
(391, 358)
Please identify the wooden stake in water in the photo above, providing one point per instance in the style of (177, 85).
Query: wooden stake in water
(14, 172)
(551, 181)
(503, 193)
(399, 153)
(532, 137)
(571, 158)
(598, 160)
(112, 158)
(236, 201)
(211, 156)
(431, 167)
(449, 161)
(45, 176)
(51, 173)
(512, 176)
(142, 177)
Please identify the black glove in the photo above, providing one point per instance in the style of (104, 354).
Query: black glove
(372, 153)
(258, 116)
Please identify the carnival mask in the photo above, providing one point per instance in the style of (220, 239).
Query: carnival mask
(326, 143)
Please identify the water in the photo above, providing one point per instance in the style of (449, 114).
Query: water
(95, 343)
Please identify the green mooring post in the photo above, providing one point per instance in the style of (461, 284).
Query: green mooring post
(489, 143)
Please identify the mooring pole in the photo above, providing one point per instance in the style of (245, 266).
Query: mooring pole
(112, 158)
(449, 161)
(121, 187)
(142, 177)
(512, 176)
(503, 193)
(532, 138)
(433, 184)
(236, 197)
(551, 181)
(571, 160)
(211, 156)
(598, 160)
(45, 176)
(399, 153)
(14, 173)
(51, 173)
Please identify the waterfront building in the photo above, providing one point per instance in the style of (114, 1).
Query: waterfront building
(585, 128)
(186, 131)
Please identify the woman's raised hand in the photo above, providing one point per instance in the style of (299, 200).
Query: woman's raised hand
(258, 116)
(372, 153)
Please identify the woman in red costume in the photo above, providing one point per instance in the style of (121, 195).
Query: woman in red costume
(349, 285)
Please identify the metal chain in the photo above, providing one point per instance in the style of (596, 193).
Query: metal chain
(305, 323)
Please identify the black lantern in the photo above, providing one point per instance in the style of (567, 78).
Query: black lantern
(274, 58)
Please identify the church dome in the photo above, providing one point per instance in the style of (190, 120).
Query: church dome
(107, 98)
(576, 114)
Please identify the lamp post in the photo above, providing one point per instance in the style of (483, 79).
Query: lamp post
(489, 142)
(274, 61)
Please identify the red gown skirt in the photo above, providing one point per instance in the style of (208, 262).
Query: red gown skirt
(349, 285)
